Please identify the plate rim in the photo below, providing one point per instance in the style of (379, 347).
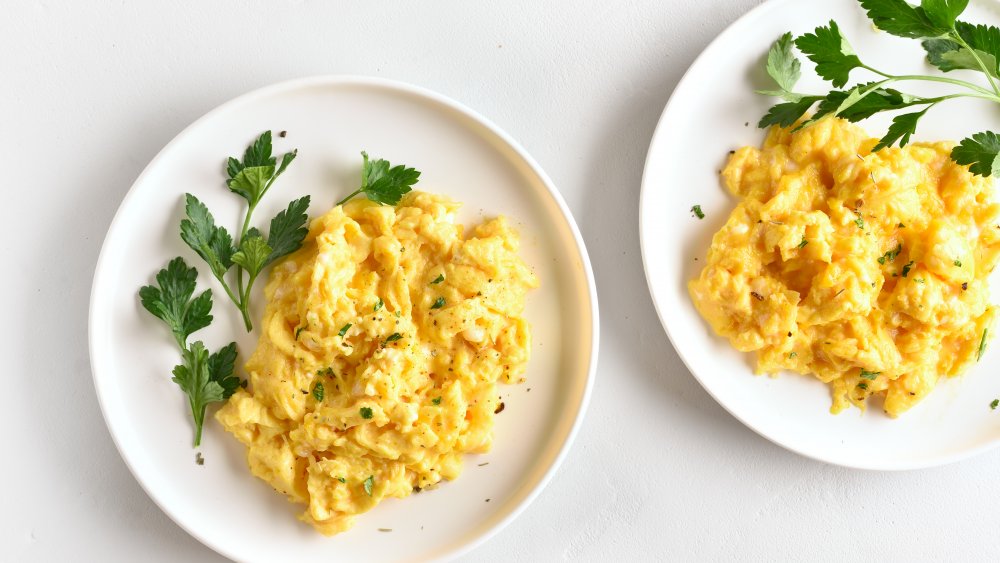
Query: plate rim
(399, 87)
(659, 132)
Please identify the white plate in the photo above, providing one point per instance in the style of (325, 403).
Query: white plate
(713, 110)
(331, 119)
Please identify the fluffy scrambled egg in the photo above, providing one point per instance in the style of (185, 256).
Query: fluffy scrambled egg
(382, 343)
(867, 270)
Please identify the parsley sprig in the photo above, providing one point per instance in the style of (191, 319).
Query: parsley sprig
(382, 182)
(950, 44)
(250, 252)
(205, 378)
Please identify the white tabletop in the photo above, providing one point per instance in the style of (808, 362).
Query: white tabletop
(92, 90)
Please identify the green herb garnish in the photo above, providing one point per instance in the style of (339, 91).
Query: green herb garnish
(870, 375)
(318, 391)
(436, 400)
(958, 263)
(438, 303)
(251, 179)
(378, 305)
(949, 43)
(890, 255)
(698, 212)
(863, 386)
(383, 183)
(803, 243)
(907, 267)
(994, 404)
(366, 413)
(204, 378)
(438, 279)
(394, 337)
(860, 221)
(369, 484)
(344, 329)
(341, 479)
(982, 345)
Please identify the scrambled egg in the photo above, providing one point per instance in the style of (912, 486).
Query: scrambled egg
(867, 270)
(382, 343)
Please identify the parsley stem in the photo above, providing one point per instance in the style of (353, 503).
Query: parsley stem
(995, 95)
(346, 199)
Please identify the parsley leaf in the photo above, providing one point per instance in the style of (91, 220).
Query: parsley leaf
(394, 337)
(288, 229)
(254, 176)
(784, 68)
(366, 413)
(803, 243)
(378, 305)
(891, 255)
(344, 329)
(318, 391)
(205, 379)
(438, 303)
(698, 212)
(212, 243)
(943, 13)
(995, 404)
(438, 279)
(903, 20)
(250, 178)
(981, 152)
(903, 126)
(870, 375)
(369, 484)
(788, 113)
(171, 300)
(829, 50)
(907, 267)
(383, 183)
(436, 401)
(983, 42)
(253, 253)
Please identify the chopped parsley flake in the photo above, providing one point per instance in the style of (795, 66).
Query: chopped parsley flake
(344, 329)
(863, 386)
(438, 303)
(298, 331)
(919, 280)
(870, 375)
(438, 279)
(958, 263)
(436, 400)
(341, 479)
(890, 255)
(698, 212)
(318, 391)
(793, 354)
(366, 413)
(982, 345)
(995, 404)
(803, 243)
(860, 221)
(369, 484)
(907, 268)
(394, 337)
(378, 305)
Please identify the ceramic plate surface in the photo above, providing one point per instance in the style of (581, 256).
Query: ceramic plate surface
(330, 120)
(714, 110)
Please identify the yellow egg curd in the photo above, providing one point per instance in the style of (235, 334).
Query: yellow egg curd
(381, 347)
(865, 269)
